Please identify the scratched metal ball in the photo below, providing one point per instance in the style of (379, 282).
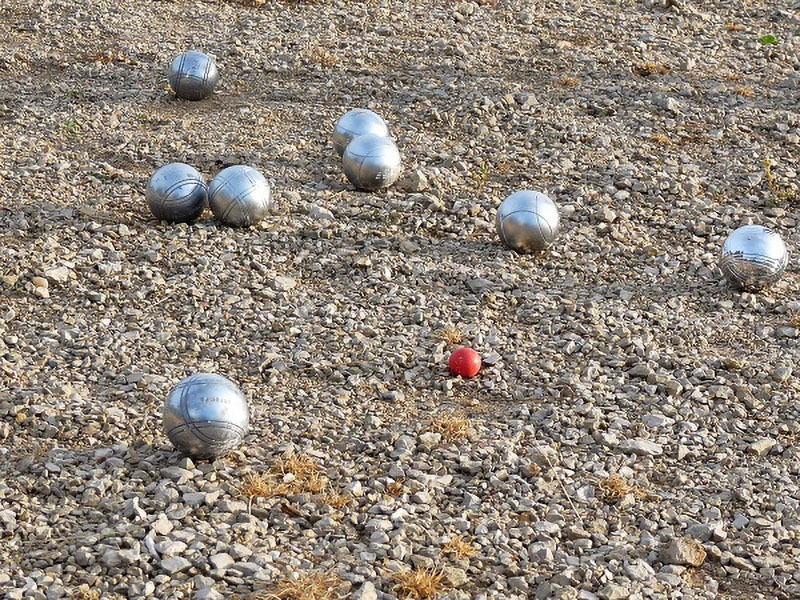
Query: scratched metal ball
(176, 193)
(527, 221)
(206, 415)
(193, 75)
(753, 257)
(371, 162)
(359, 121)
(239, 196)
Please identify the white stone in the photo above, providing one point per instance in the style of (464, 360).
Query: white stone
(642, 447)
(684, 551)
(367, 591)
(175, 564)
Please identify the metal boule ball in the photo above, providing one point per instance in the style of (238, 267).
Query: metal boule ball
(371, 162)
(527, 221)
(753, 257)
(193, 75)
(360, 121)
(206, 415)
(176, 193)
(239, 196)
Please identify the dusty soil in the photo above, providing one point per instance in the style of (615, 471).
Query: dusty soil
(657, 129)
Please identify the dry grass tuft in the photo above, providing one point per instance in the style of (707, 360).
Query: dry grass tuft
(695, 579)
(533, 470)
(395, 488)
(256, 485)
(568, 81)
(660, 138)
(481, 175)
(452, 426)
(459, 547)
(107, 57)
(84, 592)
(451, 335)
(322, 57)
(310, 586)
(307, 474)
(779, 194)
(745, 91)
(615, 488)
(336, 500)
(237, 459)
(423, 584)
(646, 69)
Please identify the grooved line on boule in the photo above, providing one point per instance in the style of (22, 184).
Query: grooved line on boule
(191, 425)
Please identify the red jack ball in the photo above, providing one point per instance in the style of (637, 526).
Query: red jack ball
(465, 362)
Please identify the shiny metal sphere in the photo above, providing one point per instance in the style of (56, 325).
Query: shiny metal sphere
(753, 257)
(359, 121)
(371, 162)
(193, 75)
(206, 415)
(239, 196)
(176, 193)
(527, 221)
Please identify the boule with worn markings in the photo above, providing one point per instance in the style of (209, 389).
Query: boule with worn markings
(193, 75)
(359, 121)
(371, 162)
(206, 415)
(753, 257)
(240, 196)
(176, 193)
(528, 221)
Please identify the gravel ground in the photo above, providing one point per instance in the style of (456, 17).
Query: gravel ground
(632, 433)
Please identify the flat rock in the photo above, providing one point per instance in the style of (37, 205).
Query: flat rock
(320, 213)
(221, 560)
(284, 284)
(414, 181)
(207, 593)
(684, 551)
(761, 447)
(641, 447)
(614, 592)
(455, 577)
(367, 591)
(58, 274)
(175, 564)
(480, 285)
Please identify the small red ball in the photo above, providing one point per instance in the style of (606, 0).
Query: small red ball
(465, 362)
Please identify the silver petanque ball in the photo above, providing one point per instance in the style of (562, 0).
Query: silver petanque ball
(239, 196)
(753, 257)
(359, 121)
(206, 415)
(176, 193)
(371, 162)
(527, 221)
(193, 75)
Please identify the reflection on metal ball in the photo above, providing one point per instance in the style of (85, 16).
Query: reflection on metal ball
(206, 415)
(360, 121)
(239, 196)
(193, 75)
(371, 162)
(176, 193)
(527, 221)
(753, 257)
